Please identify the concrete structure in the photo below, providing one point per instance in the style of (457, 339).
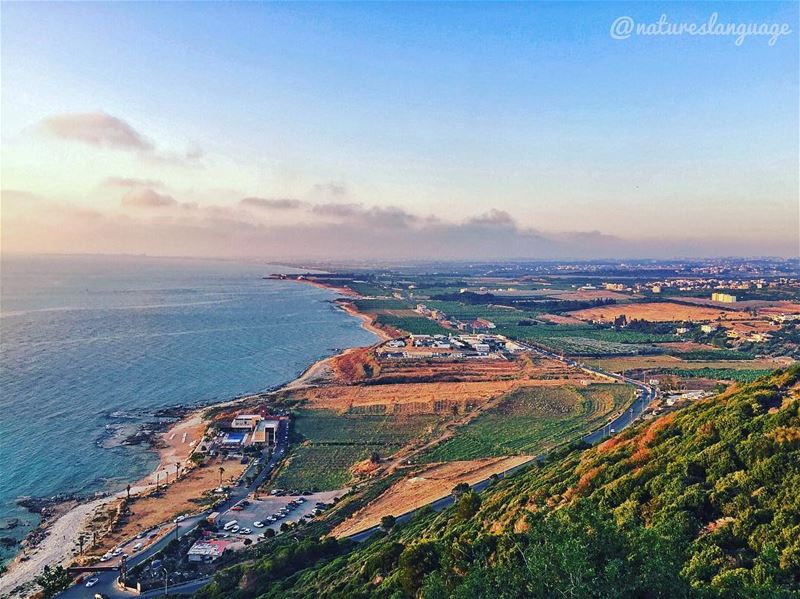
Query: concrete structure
(266, 432)
(206, 551)
(246, 421)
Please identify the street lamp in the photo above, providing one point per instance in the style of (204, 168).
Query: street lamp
(166, 581)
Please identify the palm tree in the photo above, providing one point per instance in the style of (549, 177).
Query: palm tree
(221, 471)
(177, 470)
(129, 491)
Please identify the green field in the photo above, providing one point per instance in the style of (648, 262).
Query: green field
(534, 419)
(329, 427)
(416, 325)
(319, 467)
(720, 374)
(331, 443)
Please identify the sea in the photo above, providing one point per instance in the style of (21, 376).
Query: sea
(91, 347)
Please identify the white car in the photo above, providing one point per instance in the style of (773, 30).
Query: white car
(137, 546)
(234, 529)
(258, 524)
(245, 531)
(180, 518)
(92, 581)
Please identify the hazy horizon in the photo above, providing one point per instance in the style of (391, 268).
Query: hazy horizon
(371, 131)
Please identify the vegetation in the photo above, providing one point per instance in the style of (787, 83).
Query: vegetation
(53, 580)
(415, 325)
(703, 502)
(719, 374)
(319, 467)
(532, 419)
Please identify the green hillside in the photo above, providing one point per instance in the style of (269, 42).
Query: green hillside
(703, 502)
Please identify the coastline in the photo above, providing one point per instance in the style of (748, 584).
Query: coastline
(60, 534)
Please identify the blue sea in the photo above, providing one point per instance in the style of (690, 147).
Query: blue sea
(90, 347)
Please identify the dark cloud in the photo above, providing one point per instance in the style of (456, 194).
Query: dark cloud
(272, 203)
(147, 198)
(96, 129)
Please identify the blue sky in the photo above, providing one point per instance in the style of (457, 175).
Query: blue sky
(442, 111)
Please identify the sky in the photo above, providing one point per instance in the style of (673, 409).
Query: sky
(397, 130)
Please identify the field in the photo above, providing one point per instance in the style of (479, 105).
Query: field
(333, 443)
(654, 312)
(425, 486)
(416, 325)
(530, 420)
(319, 467)
(720, 374)
(658, 362)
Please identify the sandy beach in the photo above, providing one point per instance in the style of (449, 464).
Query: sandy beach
(174, 447)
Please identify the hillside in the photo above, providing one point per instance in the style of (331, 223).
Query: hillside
(703, 502)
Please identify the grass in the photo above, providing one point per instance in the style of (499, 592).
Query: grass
(533, 419)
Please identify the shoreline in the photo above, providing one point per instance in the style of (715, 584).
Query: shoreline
(60, 534)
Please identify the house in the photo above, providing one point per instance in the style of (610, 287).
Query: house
(708, 328)
(207, 551)
(725, 298)
(482, 348)
(482, 323)
(246, 421)
(266, 432)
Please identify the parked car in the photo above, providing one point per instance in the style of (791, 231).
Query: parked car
(258, 524)
(137, 546)
(180, 518)
(237, 508)
(92, 581)
(234, 529)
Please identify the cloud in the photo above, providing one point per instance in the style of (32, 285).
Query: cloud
(147, 198)
(132, 183)
(102, 130)
(96, 129)
(375, 216)
(336, 190)
(272, 203)
(494, 218)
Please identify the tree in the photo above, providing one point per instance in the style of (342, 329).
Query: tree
(467, 506)
(269, 533)
(284, 527)
(460, 489)
(128, 489)
(375, 457)
(53, 580)
(415, 562)
(388, 522)
(221, 472)
(247, 542)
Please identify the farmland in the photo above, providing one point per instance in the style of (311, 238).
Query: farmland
(332, 443)
(530, 420)
(654, 312)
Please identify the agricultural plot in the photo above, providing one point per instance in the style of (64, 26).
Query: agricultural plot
(416, 325)
(333, 443)
(320, 467)
(330, 427)
(720, 374)
(531, 420)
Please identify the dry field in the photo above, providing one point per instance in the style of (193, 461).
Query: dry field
(686, 346)
(654, 312)
(593, 294)
(654, 362)
(149, 511)
(422, 488)
(560, 319)
(435, 387)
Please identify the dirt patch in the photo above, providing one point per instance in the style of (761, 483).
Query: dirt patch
(654, 312)
(423, 487)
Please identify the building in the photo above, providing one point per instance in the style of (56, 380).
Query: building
(246, 421)
(266, 431)
(708, 328)
(614, 286)
(656, 289)
(725, 298)
(482, 323)
(207, 551)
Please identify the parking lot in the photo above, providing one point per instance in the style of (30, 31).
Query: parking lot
(260, 509)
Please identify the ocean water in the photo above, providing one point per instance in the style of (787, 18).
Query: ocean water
(90, 347)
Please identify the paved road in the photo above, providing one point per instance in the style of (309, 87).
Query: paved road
(106, 584)
(645, 395)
